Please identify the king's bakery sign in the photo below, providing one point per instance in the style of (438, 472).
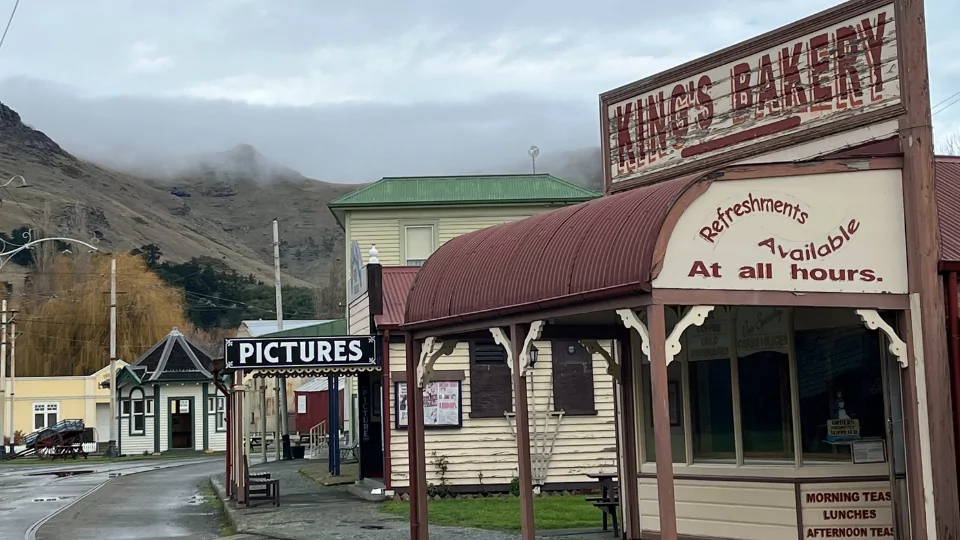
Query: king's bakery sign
(839, 232)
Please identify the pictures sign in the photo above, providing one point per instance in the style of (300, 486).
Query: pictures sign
(295, 352)
(838, 71)
(442, 405)
(838, 232)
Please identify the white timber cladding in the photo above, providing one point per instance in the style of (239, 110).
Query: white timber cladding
(717, 509)
(833, 73)
(185, 391)
(360, 316)
(136, 444)
(383, 228)
(584, 444)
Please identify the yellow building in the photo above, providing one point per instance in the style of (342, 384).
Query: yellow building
(41, 402)
(407, 219)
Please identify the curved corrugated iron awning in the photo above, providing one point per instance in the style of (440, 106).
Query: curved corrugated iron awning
(599, 249)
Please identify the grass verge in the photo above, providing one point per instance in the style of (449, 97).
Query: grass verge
(503, 513)
(211, 499)
(318, 472)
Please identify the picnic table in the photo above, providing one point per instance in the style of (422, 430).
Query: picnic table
(609, 500)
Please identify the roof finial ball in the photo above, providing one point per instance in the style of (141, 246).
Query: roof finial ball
(373, 255)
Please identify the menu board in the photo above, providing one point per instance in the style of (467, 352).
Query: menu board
(441, 405)
(847, 510)
(762, 329)
(711, 340)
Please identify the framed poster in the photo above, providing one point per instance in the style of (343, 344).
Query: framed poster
(442, 405)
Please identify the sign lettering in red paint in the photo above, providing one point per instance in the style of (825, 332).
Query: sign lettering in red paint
(840, 232)
(846, 69)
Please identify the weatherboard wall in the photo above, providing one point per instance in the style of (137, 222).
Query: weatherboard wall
(133, 445)
(384, 227)
(584, 444)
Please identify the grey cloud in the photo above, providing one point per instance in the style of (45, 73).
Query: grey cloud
(345, 143)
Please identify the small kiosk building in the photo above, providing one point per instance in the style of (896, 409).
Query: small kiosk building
(765, 261)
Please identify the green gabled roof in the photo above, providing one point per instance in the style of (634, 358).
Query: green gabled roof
(335, 327)
(455, 190)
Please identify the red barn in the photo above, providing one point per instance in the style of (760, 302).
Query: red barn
(313, 405)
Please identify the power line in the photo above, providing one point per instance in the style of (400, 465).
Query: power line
(10, 20)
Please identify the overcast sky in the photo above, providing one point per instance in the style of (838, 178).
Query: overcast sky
(351, 91)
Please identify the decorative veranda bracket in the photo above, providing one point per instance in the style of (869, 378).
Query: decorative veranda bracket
(632, 321)
(593, 347)
(873, 321)
(500, 337)
(693, 317)
(432, 350)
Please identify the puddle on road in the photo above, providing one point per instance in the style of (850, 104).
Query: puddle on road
(59, 474)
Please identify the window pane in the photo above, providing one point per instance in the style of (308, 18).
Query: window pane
(765, 412)
(711, 409)
(676, 431)
(138, 423)
(51, 419)
(138, 406)
(839, 373)
(124, 407)
(418, 243)
(38, 421)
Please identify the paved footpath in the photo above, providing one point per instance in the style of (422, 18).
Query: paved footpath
(309, 511)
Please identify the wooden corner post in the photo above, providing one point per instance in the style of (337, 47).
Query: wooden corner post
(938, 468)
(518, 334)
(657, 327)
(419, 528)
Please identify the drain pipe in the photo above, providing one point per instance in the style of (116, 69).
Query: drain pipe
(953, 327)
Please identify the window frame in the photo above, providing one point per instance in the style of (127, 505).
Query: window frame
(217, 408)
(136, 395)
(554, 365)
(472, 345)
(406, 223)
(45, 412)
(798, 460)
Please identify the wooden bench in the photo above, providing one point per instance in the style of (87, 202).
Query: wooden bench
(260, 486)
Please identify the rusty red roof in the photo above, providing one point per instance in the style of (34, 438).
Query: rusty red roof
(948, 207)
(600, 248)
(397, 281)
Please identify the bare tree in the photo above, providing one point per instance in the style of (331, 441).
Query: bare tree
(949, 145)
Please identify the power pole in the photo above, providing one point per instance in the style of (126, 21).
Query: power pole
(3, 367)
(13, 378)
(112, 450)
(284, 423)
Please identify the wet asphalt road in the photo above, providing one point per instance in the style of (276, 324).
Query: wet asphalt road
(161, 504)
(157, 505)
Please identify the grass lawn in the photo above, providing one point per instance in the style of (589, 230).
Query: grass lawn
(318, 472)
(503, 513)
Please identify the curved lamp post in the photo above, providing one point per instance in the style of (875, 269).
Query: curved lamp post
(8, 254)
(23, 182)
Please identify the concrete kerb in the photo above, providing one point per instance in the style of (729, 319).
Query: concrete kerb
(228, 508)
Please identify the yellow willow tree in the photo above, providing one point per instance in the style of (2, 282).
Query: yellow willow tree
(66, 326)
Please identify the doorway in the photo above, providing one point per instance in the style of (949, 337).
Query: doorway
(181, 423)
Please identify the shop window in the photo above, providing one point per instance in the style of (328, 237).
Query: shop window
(138, 412)
(675, 404)
(823, 360)
(841, 390)
(45, 415)
(418, 243)
(572, 378)
(766, 416)
(491, 388)
(711, 409)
